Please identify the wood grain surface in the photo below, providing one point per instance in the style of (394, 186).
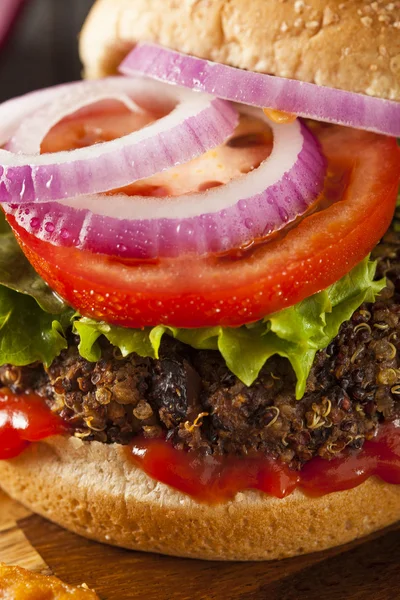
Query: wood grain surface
(368, 569)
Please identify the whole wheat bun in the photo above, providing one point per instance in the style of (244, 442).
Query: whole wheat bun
(93, 489)
(349, 44)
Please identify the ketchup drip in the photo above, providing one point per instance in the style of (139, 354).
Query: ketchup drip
(217, 479)
(380, 457)
(24, 419)
(213, 479)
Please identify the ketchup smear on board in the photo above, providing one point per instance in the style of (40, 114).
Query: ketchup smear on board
(26, 418)
(23, 419)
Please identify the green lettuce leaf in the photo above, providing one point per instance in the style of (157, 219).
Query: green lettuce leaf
(17, 273)
(28, 333)
(34, 321)
(296, 333)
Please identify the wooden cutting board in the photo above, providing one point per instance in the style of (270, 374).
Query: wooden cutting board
(367, 570)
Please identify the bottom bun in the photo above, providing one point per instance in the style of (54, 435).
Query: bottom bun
(94, 490)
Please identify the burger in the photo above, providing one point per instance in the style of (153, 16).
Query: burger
(200, 279)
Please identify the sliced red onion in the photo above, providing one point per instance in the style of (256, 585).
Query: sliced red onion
(28, 138)
(303, 99)
(8, 14)
(14, 111)
(197, 124)
(230, 216)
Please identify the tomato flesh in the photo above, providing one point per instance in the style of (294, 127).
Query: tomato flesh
(355, 211)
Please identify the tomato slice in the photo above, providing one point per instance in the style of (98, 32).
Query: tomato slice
(358, 205)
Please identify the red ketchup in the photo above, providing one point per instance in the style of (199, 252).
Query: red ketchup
(217, 479)
(23, 419)
(212, 479)
(26, 418)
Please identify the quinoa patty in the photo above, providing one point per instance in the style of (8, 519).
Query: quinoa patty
(191, 396)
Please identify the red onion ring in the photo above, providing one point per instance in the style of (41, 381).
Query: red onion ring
(14, 111)
(8, 14)
(303, 99)
(28, 137)
(197, 124)
(220, 219)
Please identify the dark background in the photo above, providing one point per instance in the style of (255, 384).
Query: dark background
(43, 47)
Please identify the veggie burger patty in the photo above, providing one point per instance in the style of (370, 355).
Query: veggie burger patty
(193, 397)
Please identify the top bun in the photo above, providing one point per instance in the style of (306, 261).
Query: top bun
(349, 44)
